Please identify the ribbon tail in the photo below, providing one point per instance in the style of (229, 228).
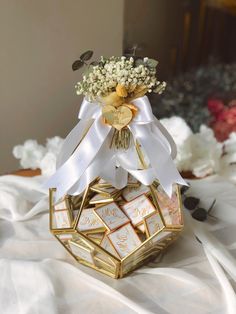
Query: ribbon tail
(117, 176)
(129, 161)
(94, 170)
(87, 114)
(160, 159)
(162, 132)
(121, 178)
(72, 141)
(103, 166)
(71, 171)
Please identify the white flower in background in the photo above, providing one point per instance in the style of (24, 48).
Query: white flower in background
(229, 157)
(230, 144)
(48, 164)
(30, 154)
(54, 145)
(228, 160)
(206, 152)
(33, 155)
(199, 153)
(180, 131)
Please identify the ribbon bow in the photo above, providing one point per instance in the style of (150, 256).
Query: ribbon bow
(87, 153)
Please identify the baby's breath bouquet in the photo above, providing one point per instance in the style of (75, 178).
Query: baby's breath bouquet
(114, 83)
(115, 80)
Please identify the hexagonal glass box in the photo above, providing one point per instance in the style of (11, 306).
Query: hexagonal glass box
(116, 231)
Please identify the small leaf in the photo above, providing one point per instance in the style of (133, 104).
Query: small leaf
(77, 65)
(101, 63)
(191, 202)
(184, 188)
(200, 214)
(94, 63)
(86, 55)
(198, 240)
(138, 62)
(152, 63)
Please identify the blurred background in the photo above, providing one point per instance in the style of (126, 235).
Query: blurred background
(193, 40)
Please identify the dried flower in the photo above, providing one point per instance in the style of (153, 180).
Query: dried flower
(121, 90)
(120, 74)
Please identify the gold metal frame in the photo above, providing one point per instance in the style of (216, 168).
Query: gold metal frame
(109, 264)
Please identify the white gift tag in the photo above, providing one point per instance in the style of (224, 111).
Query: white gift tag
(81, 252)
(131, 193)
(106, 244)
(111, 215)
(61, 205)
(138, 208)
(62, 219)
(89, 221)
(124, 240)
(153, 223)
(169, 206)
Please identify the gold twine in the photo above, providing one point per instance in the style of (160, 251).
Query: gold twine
(121, 139)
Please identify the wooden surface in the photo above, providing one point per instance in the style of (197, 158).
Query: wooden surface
(27, 172)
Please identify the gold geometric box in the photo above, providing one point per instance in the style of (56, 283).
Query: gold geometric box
(116, 231)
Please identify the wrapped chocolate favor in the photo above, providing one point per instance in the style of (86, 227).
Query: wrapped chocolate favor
(114, 199)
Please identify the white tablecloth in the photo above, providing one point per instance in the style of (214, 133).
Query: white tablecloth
(38, 275)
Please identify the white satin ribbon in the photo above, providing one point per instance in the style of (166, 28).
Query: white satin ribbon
(86, 152)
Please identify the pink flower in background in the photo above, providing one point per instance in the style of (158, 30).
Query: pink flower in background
(224, 118)
(215, 106)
